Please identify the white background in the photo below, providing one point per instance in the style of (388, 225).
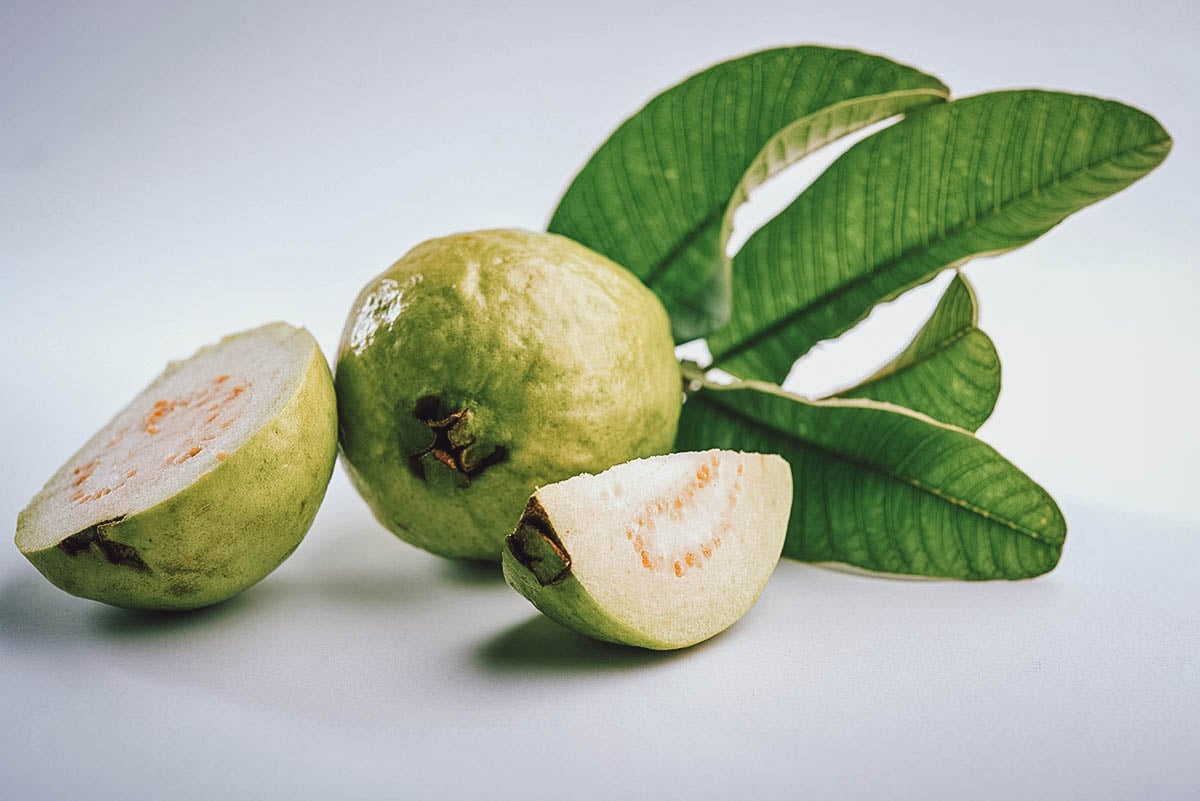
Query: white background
(169, 176)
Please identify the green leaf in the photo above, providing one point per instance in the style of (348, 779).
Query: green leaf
(885, 489)
(950, 371)
(977, 176)
(658, 195)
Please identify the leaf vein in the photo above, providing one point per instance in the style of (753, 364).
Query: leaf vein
(1016, 204)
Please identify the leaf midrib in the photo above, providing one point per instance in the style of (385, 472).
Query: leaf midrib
(890, 474)
(679, 248)
(720, 211)
(1061, 180)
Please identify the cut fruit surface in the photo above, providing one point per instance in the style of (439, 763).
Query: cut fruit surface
(661, 552)
(201, 486)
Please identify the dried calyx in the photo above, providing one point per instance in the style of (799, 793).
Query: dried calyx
(536, 546)
(454, 442)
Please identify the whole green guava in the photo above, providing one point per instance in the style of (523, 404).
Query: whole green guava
(484, 365)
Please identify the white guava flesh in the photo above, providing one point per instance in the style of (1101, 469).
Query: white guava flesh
(201, 486)
(662, 552)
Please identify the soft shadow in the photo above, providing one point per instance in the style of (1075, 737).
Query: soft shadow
(148, 624)
(390, 590)
(473, 572)
(351, 565)
(541, 644)
(33, 610)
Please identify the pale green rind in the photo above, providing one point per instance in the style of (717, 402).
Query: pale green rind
(884, 488)
(231, 528)
(977, 176)
(565, 359)
(571, 554)
(570, 604)
(658, 194)
(950, 371)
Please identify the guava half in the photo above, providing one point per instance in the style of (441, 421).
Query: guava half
(662, 552)
(483, 365)
(201, 486)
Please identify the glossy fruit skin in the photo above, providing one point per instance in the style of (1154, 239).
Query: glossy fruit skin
(483, 365)
(229, 529)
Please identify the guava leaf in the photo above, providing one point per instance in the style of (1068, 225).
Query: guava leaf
(977, 176)
(950, 371)
(658, 195)
(883, 488)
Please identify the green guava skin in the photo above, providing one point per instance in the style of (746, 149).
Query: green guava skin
(570, 604)
(230, 528)
(563, 360)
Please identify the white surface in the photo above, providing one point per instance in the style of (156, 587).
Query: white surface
(366, 669)
(170, 177)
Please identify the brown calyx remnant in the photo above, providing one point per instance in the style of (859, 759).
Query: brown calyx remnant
(537, 547)
(117, 553)
(453, 442)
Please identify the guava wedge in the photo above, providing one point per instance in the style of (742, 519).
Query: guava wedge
(661, 552)
(201, 486)
(485, 364)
